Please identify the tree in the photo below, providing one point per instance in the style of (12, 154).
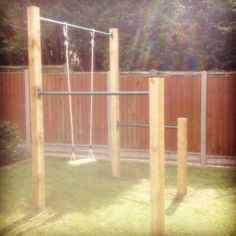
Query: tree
(154, 34)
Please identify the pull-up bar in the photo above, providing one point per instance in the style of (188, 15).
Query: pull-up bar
(74, 26)
(106, 93)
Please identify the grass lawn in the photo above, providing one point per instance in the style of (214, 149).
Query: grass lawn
(85, 200)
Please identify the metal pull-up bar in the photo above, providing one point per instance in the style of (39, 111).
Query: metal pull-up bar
(74, 26)
(89, 93)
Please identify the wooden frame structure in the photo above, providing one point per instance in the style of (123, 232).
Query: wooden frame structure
(156, 135)
(36, 105)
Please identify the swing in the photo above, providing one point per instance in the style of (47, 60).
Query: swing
(73, 160)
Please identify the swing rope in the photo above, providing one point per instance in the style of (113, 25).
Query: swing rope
(66, 43)
(91, 155)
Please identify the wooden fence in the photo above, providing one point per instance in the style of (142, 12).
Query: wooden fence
(183, 98)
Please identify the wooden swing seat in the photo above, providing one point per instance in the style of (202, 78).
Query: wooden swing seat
(81, 161)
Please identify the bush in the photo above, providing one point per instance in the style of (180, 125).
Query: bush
(9, 137)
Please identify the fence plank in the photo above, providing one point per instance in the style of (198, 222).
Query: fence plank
(221, 115)
(12, 99)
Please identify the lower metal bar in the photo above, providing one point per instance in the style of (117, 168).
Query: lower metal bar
(143, 125)
(107, 93)
(133, 125)
(171, 126)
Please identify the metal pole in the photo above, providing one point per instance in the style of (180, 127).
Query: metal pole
(170, 126)
(133, 125)
(107, 93)
(143, 125)
(74, 26)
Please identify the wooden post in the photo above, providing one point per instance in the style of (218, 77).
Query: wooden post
(114, 132)
(181, 157)
(156, 152)
(27, 112)
(36, 107)
(203, 118)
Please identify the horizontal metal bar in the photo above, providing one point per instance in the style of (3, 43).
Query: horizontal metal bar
(133, 125)
(171, 126)
(75, 26)
(143, 125)
(107, 93)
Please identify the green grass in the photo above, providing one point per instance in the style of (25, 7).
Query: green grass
(86, 201)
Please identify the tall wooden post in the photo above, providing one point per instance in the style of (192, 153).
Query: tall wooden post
(156, 152)
(113, 111)
(36, 107)
(181, 157)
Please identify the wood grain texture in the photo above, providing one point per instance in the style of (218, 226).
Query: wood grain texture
(36, 107)
(156, 155)
(182, 157)
(221, 115)
(12, 100)
(114, 104)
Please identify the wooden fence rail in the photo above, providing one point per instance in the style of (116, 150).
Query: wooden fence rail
(183, 98)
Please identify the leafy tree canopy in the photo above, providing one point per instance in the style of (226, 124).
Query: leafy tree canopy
(154, 34)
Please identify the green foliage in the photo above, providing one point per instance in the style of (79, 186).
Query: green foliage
(154, 34)
(9, 137)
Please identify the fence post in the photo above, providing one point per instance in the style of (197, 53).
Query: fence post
(36, 107)
(156, 152)
(181, 157)
(27, 111)
(114, 107)
(203, 118)
(108, 117)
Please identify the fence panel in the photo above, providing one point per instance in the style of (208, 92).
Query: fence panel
(12, 99)
(182, 99)
(221, 114)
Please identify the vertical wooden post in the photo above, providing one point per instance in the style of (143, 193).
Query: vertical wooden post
(36, 107)
(203, 118)
(181, 157)
(114, 113)
(27, 112)
(156, 152)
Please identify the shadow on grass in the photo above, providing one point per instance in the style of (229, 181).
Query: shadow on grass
(81, 190)
(30, 221)
(90, 187)
(175, 203)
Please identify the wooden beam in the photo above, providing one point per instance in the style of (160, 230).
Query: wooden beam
(114, 106)
(203, 154)
(36, 107)
(156, 152)
(181, 157)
